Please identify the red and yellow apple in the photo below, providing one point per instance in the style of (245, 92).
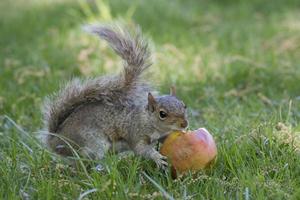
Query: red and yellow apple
(191, 150)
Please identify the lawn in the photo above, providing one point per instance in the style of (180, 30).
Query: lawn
(236, 64)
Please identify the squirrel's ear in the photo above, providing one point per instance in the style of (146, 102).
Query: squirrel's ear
(151, 102)
(173, 91)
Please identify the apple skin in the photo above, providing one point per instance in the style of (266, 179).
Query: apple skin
(191, 150)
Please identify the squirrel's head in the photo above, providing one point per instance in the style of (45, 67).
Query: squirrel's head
(167, 112)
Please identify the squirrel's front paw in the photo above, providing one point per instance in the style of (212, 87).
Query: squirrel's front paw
(160, 160)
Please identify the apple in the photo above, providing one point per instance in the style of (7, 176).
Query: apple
(191, 150)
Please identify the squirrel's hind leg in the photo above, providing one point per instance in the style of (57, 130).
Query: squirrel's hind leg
(119, 146)
(96, 146)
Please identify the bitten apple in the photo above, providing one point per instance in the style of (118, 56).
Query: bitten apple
(191, 150)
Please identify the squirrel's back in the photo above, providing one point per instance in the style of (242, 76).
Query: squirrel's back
(123, 89)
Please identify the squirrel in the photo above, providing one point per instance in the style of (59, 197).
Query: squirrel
(113, 113)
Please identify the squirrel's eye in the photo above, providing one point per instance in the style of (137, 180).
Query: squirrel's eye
(162, 114)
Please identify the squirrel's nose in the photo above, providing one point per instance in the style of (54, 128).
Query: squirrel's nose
(184, 124)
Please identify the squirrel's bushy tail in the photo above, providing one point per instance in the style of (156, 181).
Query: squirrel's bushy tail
(132, 48)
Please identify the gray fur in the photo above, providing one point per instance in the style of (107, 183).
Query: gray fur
(112, 113)
(132, 48)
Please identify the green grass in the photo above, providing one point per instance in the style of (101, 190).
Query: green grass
(235, 64)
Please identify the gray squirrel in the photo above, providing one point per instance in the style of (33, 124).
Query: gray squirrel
(113, 113)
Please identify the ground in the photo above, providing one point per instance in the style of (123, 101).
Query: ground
(235, 64)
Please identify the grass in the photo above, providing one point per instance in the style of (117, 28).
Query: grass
(235, 63)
